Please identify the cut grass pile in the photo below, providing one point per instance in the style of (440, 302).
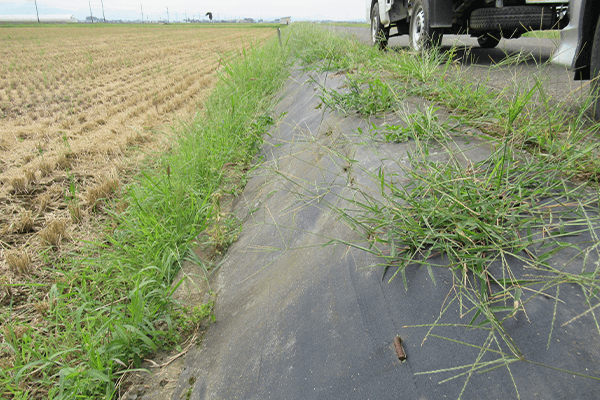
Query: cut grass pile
(75, 318)
(520, 206)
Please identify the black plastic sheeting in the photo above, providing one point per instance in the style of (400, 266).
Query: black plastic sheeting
(299, 320)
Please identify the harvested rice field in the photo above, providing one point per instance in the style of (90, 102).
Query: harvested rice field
(80, 108)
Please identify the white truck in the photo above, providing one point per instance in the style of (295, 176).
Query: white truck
(579, 47)
(425, 21)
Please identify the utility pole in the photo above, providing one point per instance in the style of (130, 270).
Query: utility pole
(167, 15)
(104, 16)
(91, 15)
(142, 13)
(186, 17)
(36, 12)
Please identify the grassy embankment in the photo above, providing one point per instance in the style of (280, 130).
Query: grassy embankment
(539, 182)
(110, 304)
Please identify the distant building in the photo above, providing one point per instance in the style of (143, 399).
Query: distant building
(46, 19)
(89, 19)
(285, 20)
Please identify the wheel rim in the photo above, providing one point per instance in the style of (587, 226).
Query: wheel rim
(418, 28)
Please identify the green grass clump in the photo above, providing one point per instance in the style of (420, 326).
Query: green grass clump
(422, 125)
(315, 48)
(364, 96)
(113, 306)
(551, 34)
(470, 215)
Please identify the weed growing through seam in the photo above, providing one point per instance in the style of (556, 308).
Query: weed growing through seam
(390, 133)
(423, 124)
(421, 66)
(479, 222)
(364, 96)
(469, 215)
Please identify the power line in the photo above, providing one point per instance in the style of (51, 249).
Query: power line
(36, 12)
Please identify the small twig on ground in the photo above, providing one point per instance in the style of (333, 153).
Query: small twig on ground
(175, 357)
(111, 303)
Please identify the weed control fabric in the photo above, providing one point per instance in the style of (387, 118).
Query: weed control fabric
(302, 315)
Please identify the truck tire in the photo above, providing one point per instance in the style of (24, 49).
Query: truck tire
(489, 40)
(511, 19)
(379, 33)
(421, 35)
(595, 73)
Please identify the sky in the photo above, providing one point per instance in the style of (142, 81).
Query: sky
(337, 10)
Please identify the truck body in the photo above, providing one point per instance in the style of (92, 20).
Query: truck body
(579, 38)
(579, 47)
(425, 21)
